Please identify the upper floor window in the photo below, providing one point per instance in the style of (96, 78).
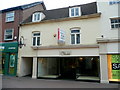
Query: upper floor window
(75, 36)
(10, 16)
(36, 17)
(36, 39)
(115, 22)
(75, 11)
(8, 34)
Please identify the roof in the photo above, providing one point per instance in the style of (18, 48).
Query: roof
(86, 9)
(22, 7)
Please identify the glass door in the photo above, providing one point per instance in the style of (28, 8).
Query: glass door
(2, 63)
(68, 68)
(12, 59)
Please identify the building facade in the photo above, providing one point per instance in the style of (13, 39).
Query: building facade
(59, 44)
(10, 21)
(109, 44)
(75, 42)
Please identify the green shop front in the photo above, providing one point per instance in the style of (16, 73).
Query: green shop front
(8, 58)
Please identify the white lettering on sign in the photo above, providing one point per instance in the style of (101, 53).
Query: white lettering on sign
(114, 2)
(11, 48)
(2, 47)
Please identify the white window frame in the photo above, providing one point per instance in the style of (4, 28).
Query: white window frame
(70, 11)
(115, 23)
(36, 38)
(36, 14)
(75, 36)
(10, 16)
(7, 34)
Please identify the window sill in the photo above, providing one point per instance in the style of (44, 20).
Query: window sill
(8, 39)
(75, 16)
(115, 28)
(9, 21)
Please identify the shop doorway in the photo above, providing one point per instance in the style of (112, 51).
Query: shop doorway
(27, 66)
(2, 63)
(67, 68)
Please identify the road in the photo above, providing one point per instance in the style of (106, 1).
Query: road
(28, 82)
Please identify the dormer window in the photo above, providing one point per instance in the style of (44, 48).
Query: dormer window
(74, 12)
(36, 17)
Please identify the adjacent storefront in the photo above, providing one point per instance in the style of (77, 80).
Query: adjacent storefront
(114, 67)
(8, 57)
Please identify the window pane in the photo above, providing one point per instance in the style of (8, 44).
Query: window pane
(36, 34)
(78, 38)
(38, 16)
(112, 26)
(112, 20)
(116, 20)
(8, 37)
(8, 31)
(35, 17)
(75, 31)
(76, 11)
(10, 16)
(72, 12)
(72, 39)
(119, 20)
(34, 40)
(117, 25)
(38, 41)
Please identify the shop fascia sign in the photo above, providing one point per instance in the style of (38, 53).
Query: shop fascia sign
(114, 2)
(2, 48)
(61, 36)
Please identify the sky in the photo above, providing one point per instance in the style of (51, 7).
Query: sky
(50, 4)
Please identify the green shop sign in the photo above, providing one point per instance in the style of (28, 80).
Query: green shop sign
(9, 47)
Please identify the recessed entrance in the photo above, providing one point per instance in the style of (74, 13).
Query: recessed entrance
(67, 68)
(26, 66)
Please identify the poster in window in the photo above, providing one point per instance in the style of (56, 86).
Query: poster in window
(114, 67)
(12, 60)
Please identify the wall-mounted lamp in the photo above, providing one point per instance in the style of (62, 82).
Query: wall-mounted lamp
(21, 42)
(54, 35)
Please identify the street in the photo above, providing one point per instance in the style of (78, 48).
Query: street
(28, 82)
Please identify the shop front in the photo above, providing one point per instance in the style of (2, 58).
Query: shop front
(78, 68)
(8, 58)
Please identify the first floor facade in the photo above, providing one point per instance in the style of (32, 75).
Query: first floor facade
(8, 58)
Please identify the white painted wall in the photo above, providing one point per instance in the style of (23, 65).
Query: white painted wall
(108, 11)
(89, 31)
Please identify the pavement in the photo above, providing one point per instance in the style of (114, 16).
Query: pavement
(28, 82)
